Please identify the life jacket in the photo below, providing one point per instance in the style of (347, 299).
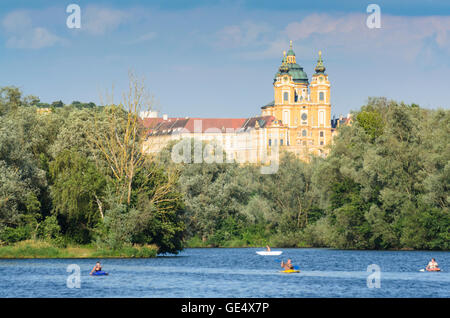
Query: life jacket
(433, 264)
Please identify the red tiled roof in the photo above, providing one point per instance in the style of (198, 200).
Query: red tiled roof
(160, 126)
(219, 123)
(263, 121)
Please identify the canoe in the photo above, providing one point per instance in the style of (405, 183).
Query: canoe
(99, 273)
(290, 271)
(434, 270)
(269, 253)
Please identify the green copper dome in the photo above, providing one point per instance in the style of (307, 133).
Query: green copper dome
(297, 73)
(288, 66)
(284, 66)
(320, 68)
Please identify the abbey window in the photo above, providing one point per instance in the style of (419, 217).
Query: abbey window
(321, 118)
(321, 96)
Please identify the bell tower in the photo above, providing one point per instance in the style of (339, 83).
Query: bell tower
(320, 86)
(320, 103)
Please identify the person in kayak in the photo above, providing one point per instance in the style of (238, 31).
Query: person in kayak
(432, 265)
(97, 268)
(267, 248)
(288, 265)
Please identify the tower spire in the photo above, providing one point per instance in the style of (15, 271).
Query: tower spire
(290, 54)
(320, 68)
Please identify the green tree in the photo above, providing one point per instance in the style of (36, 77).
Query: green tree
(76, 189)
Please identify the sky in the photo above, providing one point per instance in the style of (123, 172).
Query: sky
(210, 58)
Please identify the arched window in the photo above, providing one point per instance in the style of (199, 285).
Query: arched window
(286, 97)
(321, 118)
(321, 96)
(304, 133)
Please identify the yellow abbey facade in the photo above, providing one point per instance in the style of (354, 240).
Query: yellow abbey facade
(302, 109)
(297, 120)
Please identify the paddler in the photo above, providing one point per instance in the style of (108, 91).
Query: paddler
(288, 265)
(432, 265)
(96, 268)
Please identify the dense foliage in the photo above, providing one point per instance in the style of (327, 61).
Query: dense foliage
(385, 184)
(56, 183)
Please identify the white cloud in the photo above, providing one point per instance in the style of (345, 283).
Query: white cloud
(405, 37)
(98, 20)
(245, 34)
(23, 35)
(36, 38)
(17, 21)
(398, 35)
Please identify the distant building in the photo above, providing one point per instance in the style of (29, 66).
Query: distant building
(298, 120)
(340, 121)
(45, 110)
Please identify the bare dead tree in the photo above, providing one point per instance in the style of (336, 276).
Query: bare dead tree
(121, 143)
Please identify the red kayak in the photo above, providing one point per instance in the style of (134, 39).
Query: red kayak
(434, 270)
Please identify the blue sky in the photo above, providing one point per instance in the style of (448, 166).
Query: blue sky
(218, 58)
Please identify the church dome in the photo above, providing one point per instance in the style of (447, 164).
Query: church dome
(297, 73)
(289, 66)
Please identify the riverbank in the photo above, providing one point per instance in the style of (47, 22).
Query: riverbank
(43, 249)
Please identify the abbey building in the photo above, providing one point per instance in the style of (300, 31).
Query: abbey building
(302, 108)
(297, 120)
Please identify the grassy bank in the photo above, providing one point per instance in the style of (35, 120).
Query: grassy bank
(42, 249)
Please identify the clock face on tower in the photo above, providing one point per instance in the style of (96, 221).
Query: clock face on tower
(285, 78)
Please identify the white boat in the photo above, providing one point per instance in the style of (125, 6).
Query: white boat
(269, 253)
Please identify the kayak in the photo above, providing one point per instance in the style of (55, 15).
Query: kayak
(434, 270)
(269, 253)
(99, 273)
(289, 271)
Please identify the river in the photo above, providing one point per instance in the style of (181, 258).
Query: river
(234, 272)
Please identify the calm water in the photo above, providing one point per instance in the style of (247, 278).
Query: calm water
(234, 273)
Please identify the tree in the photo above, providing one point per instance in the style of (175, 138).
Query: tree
(122, 143)
(77, 186)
